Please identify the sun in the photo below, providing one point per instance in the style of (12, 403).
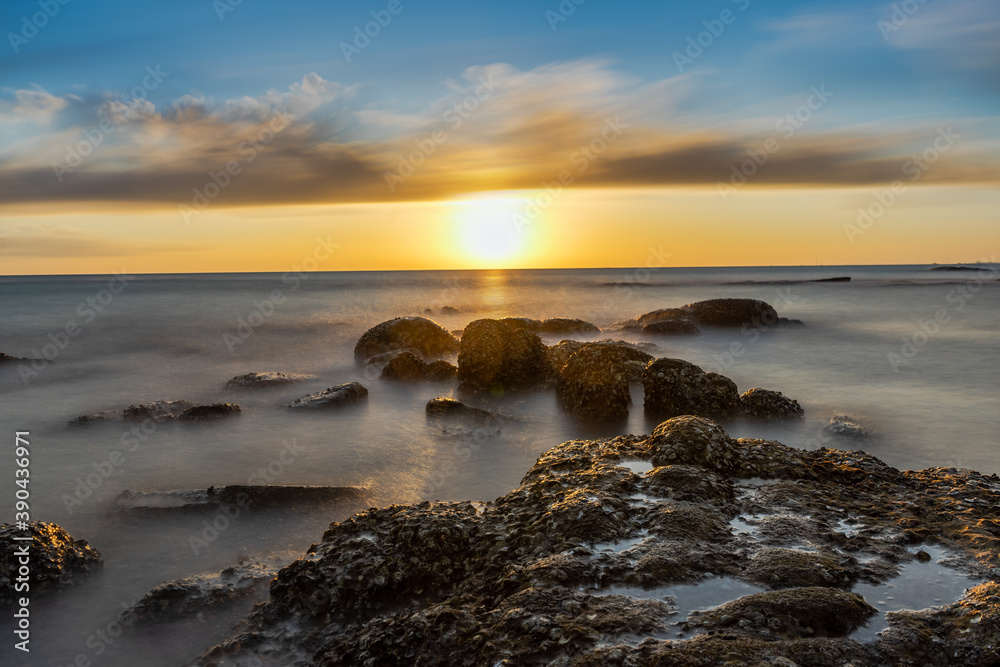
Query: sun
(488, 230)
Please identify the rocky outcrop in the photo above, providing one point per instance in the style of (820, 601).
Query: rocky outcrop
(6, 359)
(678, 327)
(407, 366)
(247, 496)
(847, 427)
(676, 387)
(449, 408)
(496, 359)
(594, 383)
(202, 593)
(267, 379)
(580, 564)
(54, 560)
(333, 397)
(558, 326)
(717, 313)
(211, 412)
(767, 405)
(637, 355)
(419, 333)
(157, 411)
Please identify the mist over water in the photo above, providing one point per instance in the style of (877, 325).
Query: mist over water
(182, 337)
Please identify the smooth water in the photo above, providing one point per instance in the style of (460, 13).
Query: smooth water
(183, 336)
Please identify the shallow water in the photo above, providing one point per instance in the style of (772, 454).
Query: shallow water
(182, 337)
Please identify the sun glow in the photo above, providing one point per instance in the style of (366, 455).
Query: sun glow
(488, 232)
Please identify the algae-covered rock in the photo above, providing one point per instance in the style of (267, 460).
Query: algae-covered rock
(594, 383)
(767, 405)
(496, 359)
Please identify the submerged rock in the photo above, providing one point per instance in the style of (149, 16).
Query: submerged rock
(211, 412)
(718, 313)
(95, 417)
(594, 383)
(407, 366)
(577, 566)
(678, 327)
(157, 411)
(333, 397)
(495, 358)
(202, 593)
(767, 405)
(267, 379)
(54, 560)
(553, 326)
(676, 387)
(6, 359)
(248, 496)
(444, 407)
(419, 333)
(847, 427)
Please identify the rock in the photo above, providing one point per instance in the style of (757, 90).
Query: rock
(637, 354)
(733, 313)
(661, 315)
(594, 383)
(405, 332)
(102, 416)
(211, 412)
(677, 327)
(767, 405)
(407, 366)
(791, 614)
(553, 326)
(574, 567)
(194, 595)
(55, 560)
(846, 427)
(692, 440)
(244, 496)
(496, 359)
(334, 397)
(157, 411)
(676, 387)
(792, 568)
(267, 379)
(7, 359)
(450, 310)
(444, 407)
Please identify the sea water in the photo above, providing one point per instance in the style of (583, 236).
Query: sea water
(908, 352)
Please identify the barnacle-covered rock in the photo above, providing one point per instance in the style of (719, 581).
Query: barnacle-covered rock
(267, 379)
(676, 387)
(496, 359)
(418, 333)
(334, 397)
(767, 405)
(594, 383)
(51, 558)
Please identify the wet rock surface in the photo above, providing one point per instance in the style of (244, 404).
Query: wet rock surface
(767, 405)
(267, 379)
(677, 327)
(637, 354)
(408, 367)
(494, 358)
(582, 564)
(202, 594)
(333, 397)
(676, 387)
(449, 408)
(157, 411)
(847, 427)
(6, 358)
(594, 383)
(55, 560)
(714, 313)
(553, 326)
(419, 333)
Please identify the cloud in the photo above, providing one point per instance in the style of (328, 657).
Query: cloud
(955, 34)
(60, 241)
(494, 127)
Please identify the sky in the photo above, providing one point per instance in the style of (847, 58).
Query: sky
(243, 135)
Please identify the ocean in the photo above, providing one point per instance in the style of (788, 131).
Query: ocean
(910, 353)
